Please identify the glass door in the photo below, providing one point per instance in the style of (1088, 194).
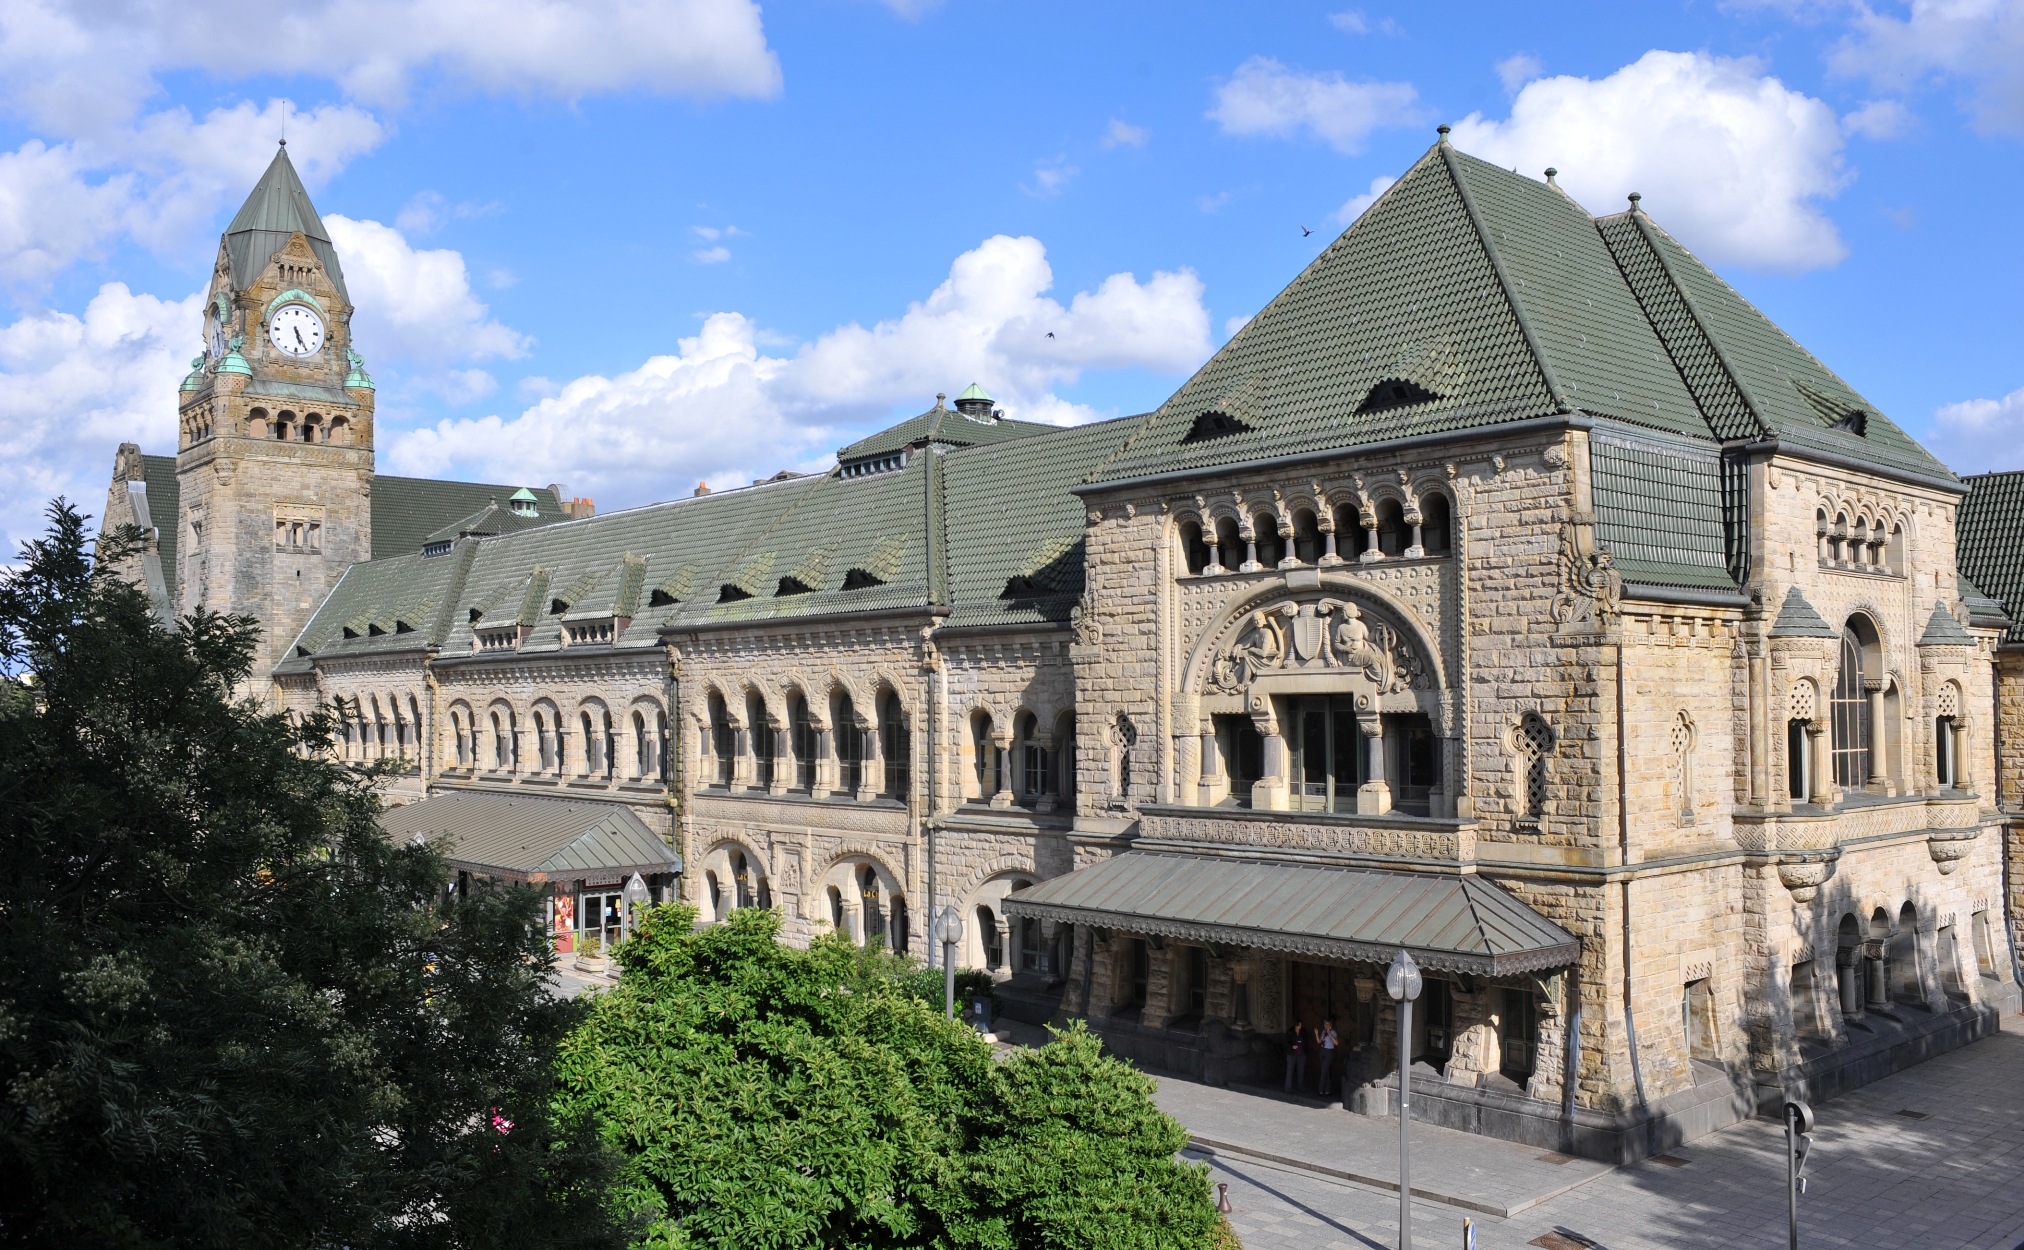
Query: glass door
(1328, 754)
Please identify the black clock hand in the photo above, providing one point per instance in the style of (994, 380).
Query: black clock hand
(298, 338)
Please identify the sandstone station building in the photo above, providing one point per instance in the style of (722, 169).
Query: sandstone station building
(1508, 590)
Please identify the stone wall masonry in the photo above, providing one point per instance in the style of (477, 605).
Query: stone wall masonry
(1685, 748)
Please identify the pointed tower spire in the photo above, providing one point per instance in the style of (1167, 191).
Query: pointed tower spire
(278, 207)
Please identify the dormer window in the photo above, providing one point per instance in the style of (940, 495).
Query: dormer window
(580, 633)
(1214, 424)
(524, 503)
(1395, 393)
(499, 638)
(875, 464)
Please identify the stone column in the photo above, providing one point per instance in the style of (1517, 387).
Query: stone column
(1879, 774)
(825, 760)
(1329, 555)
(1008, 954)
(1963, 778)
(1414, 519)
(1250, 564)
(1370, 551)
(1847, 968)
(1373, 798)
(1047, 800)
(1876, 973)
(741, 756)
(871, 763)
(1819, 772)
(783, 760)
(1002, 757)
(1273, 791)
(1207, 790)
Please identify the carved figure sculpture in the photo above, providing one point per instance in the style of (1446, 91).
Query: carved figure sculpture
(1258, 648)
(1591, 588)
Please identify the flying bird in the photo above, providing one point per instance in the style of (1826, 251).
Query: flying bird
(1304, 232)
(1050, 334)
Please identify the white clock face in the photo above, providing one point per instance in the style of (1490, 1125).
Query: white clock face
(296, 330)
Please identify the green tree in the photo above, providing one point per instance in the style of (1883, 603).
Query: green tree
(232, 1014)
(773, 1097)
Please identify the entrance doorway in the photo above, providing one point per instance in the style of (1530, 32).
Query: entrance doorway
(1328, 754)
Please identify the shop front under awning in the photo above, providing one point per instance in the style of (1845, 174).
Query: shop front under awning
(1449, 923)
(534, 838)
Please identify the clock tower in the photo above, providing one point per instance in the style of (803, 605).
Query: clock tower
(274, 460)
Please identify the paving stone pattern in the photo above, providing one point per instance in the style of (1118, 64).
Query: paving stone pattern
(1950, 1176)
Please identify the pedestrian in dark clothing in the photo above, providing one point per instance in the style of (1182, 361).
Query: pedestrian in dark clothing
(1296, 1058)
(1330, 1043)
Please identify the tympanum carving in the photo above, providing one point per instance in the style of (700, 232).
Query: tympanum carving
(1292, 636)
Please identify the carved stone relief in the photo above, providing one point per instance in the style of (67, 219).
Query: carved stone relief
(1328, 634)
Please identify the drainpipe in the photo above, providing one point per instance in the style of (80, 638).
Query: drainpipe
(1570, 1058)
(931, 767)
(1623, 843)
(2008, 856)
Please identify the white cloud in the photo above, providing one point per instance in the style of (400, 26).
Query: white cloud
(1979, 43)
(1124, 134)
(1236, 323)
(1353, 22)
(719, 403)
(1049, 179)
(73, 388)
(1980, 435)
(161, 181)
(1265, 97)
(1354, 206)
(1879, 119)
(711, 255)
(1517, 70)
(415, 306)
(1731, 161)
(80, 68)
(710, 233)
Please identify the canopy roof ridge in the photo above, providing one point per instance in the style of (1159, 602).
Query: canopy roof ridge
(1645, 228)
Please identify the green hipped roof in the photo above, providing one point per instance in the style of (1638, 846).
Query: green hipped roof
(493, 518)
(1988, 544)
(524, 835)
(409, 512)
(973, 391)
(944, 426)
(278, 207)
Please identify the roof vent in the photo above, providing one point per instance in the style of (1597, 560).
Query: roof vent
(477, 614)
(1214, 424)
(858, 579)
(791, 585)
(732, 594)
(524, 503)
(1856, 423)
(1395, 393)
(661, 599)
(556, 607)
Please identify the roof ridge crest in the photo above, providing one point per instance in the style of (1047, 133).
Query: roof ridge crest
(1532, 344)
(1644, 229)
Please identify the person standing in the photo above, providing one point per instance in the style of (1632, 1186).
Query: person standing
(1329, 1042)
(1296, 1058)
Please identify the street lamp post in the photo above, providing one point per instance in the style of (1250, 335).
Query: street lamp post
(1798, 1127)
(1402, 982)
(635, 894)
(949, 932)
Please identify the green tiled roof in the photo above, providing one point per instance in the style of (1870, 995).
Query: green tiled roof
(165, 493)
(1988, 538)
(522, 835)
(943, 426)
(1798, 619)
(490, 520)
(276, 209)
(409, 512)
(1658, 507)
(1942, 630)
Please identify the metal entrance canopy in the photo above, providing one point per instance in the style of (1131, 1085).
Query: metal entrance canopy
(1449, 923)
(534, 838)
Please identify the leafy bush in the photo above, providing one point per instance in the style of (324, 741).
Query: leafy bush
(930, 986)
(772, 1097)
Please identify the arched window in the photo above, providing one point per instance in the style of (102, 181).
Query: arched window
(590, 744)
(1436, 524)
(661, 746)
(801, 731)
(1947, 768)
(1229, 551)
(987, 933)
(741, 877)
(610, 748)
(1194, 552)
(499, 753)
(874, 914)
(1035, 760)
(896, 745)
(1392, 535)
(836, 908)
(544, 735)
(462, 732)
(1849, 709)
(723, 742)
(1534, 740)
(1306, 537)
(984, 755)
(765, 741)
(849, 745)
(1265, 533)
(1799, 741)
(1681, 746)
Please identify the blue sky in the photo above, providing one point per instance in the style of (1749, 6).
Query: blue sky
(635, 246)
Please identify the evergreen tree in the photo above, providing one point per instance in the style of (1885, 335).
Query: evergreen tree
(232, 1014)
(768, 1097)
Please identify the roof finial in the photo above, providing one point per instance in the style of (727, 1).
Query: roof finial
(940, 398)
(284, 123)
(1550, 171)
(1444, 128)
(1634, 198)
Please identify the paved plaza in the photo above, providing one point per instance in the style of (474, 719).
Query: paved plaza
(1931, 1157)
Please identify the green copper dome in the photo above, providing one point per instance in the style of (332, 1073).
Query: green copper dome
(973, 391)
(195, 379)
(235, 363)
(358, 379)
